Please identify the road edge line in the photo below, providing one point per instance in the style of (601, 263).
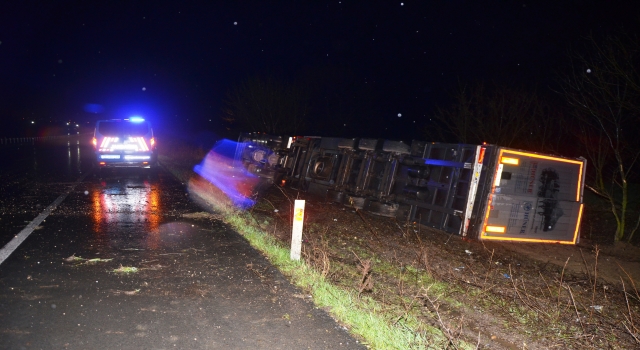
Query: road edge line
(10, 247)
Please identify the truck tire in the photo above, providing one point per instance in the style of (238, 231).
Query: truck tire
(322, 168)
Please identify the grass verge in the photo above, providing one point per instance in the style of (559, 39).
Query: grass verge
(376, 325)
(364, 317)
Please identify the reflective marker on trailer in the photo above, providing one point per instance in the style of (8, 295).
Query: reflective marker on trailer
(508, 160)
(496, 229)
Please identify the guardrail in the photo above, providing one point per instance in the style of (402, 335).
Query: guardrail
(32, 140)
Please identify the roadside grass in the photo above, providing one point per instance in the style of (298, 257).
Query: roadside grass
(378, 326)
(391, 304)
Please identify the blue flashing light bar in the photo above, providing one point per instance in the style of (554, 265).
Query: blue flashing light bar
(136, 119)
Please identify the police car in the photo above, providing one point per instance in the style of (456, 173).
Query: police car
(124, 143)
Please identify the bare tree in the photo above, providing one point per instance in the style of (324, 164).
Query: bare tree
(603, 89)
(268, 105)
(511, 117)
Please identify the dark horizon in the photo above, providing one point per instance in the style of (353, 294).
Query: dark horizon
(173, 63)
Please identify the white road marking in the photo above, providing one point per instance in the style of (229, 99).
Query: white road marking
(10, 247)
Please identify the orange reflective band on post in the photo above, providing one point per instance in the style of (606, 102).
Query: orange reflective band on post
(508, 160)
(496, 229)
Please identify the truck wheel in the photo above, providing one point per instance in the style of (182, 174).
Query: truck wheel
(322, 168)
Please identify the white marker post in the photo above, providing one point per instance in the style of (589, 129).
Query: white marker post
(296, 237)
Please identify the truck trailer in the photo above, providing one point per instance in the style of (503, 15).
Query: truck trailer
(484, 192)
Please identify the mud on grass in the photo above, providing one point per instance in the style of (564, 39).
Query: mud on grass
(483, 293)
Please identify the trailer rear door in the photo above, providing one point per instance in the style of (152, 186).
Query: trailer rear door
(534, 198)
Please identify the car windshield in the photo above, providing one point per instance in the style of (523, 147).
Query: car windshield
(117, 128)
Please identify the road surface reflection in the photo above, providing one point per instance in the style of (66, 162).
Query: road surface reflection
(73, 157)
(117, 207)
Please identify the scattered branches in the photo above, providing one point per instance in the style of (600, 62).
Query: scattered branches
(366, 282)
(451, 334)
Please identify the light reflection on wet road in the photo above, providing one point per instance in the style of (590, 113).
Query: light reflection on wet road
(32, 176)
(126, 202)
(198, 284)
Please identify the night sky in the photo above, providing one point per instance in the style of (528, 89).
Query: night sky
(173, 61)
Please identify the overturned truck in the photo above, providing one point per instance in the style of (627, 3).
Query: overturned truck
(482, 192)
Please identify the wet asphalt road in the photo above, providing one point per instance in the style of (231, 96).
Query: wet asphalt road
(198, 284)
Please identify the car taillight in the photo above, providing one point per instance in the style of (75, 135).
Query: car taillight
(152, 142)
(94, 141)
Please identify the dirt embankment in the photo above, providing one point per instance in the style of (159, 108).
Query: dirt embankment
(502, 295)
(613, 261)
